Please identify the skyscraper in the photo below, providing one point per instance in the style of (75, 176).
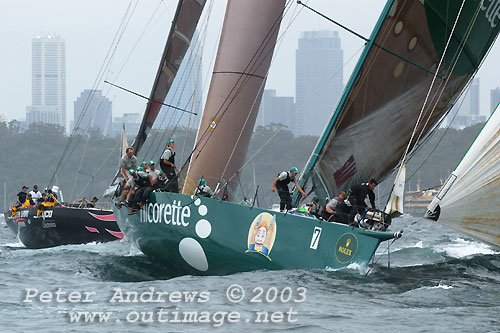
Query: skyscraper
(49, 78)
(319, 80)
(494, 98)
(93, 110)
(276, 109)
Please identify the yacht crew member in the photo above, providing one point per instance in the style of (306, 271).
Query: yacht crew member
(35, 194)
(127, 162)
(155, 173)
(358, 193)
(21, 196)
(167, 164)
(51, 198)
(203, 190)
(28, 202)
(145, 185)
(337, 210)
(129, 187)
(281, 183)
(92, 203)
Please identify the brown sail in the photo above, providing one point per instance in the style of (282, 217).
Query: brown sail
(245, 50)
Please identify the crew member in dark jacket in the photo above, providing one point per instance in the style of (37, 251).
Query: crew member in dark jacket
(281, 183)
(167, 164)
(358, 193)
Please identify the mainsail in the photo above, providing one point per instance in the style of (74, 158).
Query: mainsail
(183, 27)
(372, 125)
(469, 201)
(245, 50)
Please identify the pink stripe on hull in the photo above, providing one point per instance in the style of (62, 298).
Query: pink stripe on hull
(117, 234)
(107, 218)
(92, 229)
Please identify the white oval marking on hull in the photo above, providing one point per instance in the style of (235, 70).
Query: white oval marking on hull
(192, 252)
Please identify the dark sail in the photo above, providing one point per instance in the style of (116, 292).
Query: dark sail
(183, 27)
(372, 125)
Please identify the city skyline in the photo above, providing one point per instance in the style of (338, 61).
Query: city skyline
(137, 56)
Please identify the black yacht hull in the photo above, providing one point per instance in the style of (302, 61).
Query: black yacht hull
(63, 225)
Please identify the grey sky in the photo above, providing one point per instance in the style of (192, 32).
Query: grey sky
(89, 27)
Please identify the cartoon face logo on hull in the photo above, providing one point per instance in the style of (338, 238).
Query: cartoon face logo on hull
(262, 234)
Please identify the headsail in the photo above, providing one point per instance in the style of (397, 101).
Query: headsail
(183, 27)
(373, 122)
(124, 142)
(394, 206)
(469, 201)
(245, 50)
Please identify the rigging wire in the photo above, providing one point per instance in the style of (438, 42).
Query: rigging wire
(106, 63)
(156, 134)
(295, 112)
(456, 57)
(432, 84)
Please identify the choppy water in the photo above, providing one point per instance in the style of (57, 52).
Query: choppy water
(439, 281)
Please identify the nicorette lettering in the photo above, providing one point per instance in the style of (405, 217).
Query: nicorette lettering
(174, 213)
(492, 9)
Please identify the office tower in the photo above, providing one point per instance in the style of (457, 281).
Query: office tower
(47, 114)
(494, 99)
(319, 80)
(276, 109)
(474, 98)
(93, 110)
(131, 121)
(48, 79)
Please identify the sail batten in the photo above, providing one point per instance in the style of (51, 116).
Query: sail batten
(369, 133)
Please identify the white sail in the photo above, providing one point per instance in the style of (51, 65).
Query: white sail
(469, 201)
(394, 206)
(124, 142)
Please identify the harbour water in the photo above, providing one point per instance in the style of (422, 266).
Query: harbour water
(438, 281)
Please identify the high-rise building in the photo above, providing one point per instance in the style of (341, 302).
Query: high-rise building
(276, 109)
(465, 112)
(131, 121)
(93, 110)
(47, 114)
(49, 77)
(494, 99)
(319, 80)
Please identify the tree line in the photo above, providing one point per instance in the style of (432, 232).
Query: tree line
(32, 156)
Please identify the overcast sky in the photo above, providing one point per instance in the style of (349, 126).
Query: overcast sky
(89, 26)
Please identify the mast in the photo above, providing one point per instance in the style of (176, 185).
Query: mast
(245, 50)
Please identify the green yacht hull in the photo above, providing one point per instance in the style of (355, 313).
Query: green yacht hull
(205, 236)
